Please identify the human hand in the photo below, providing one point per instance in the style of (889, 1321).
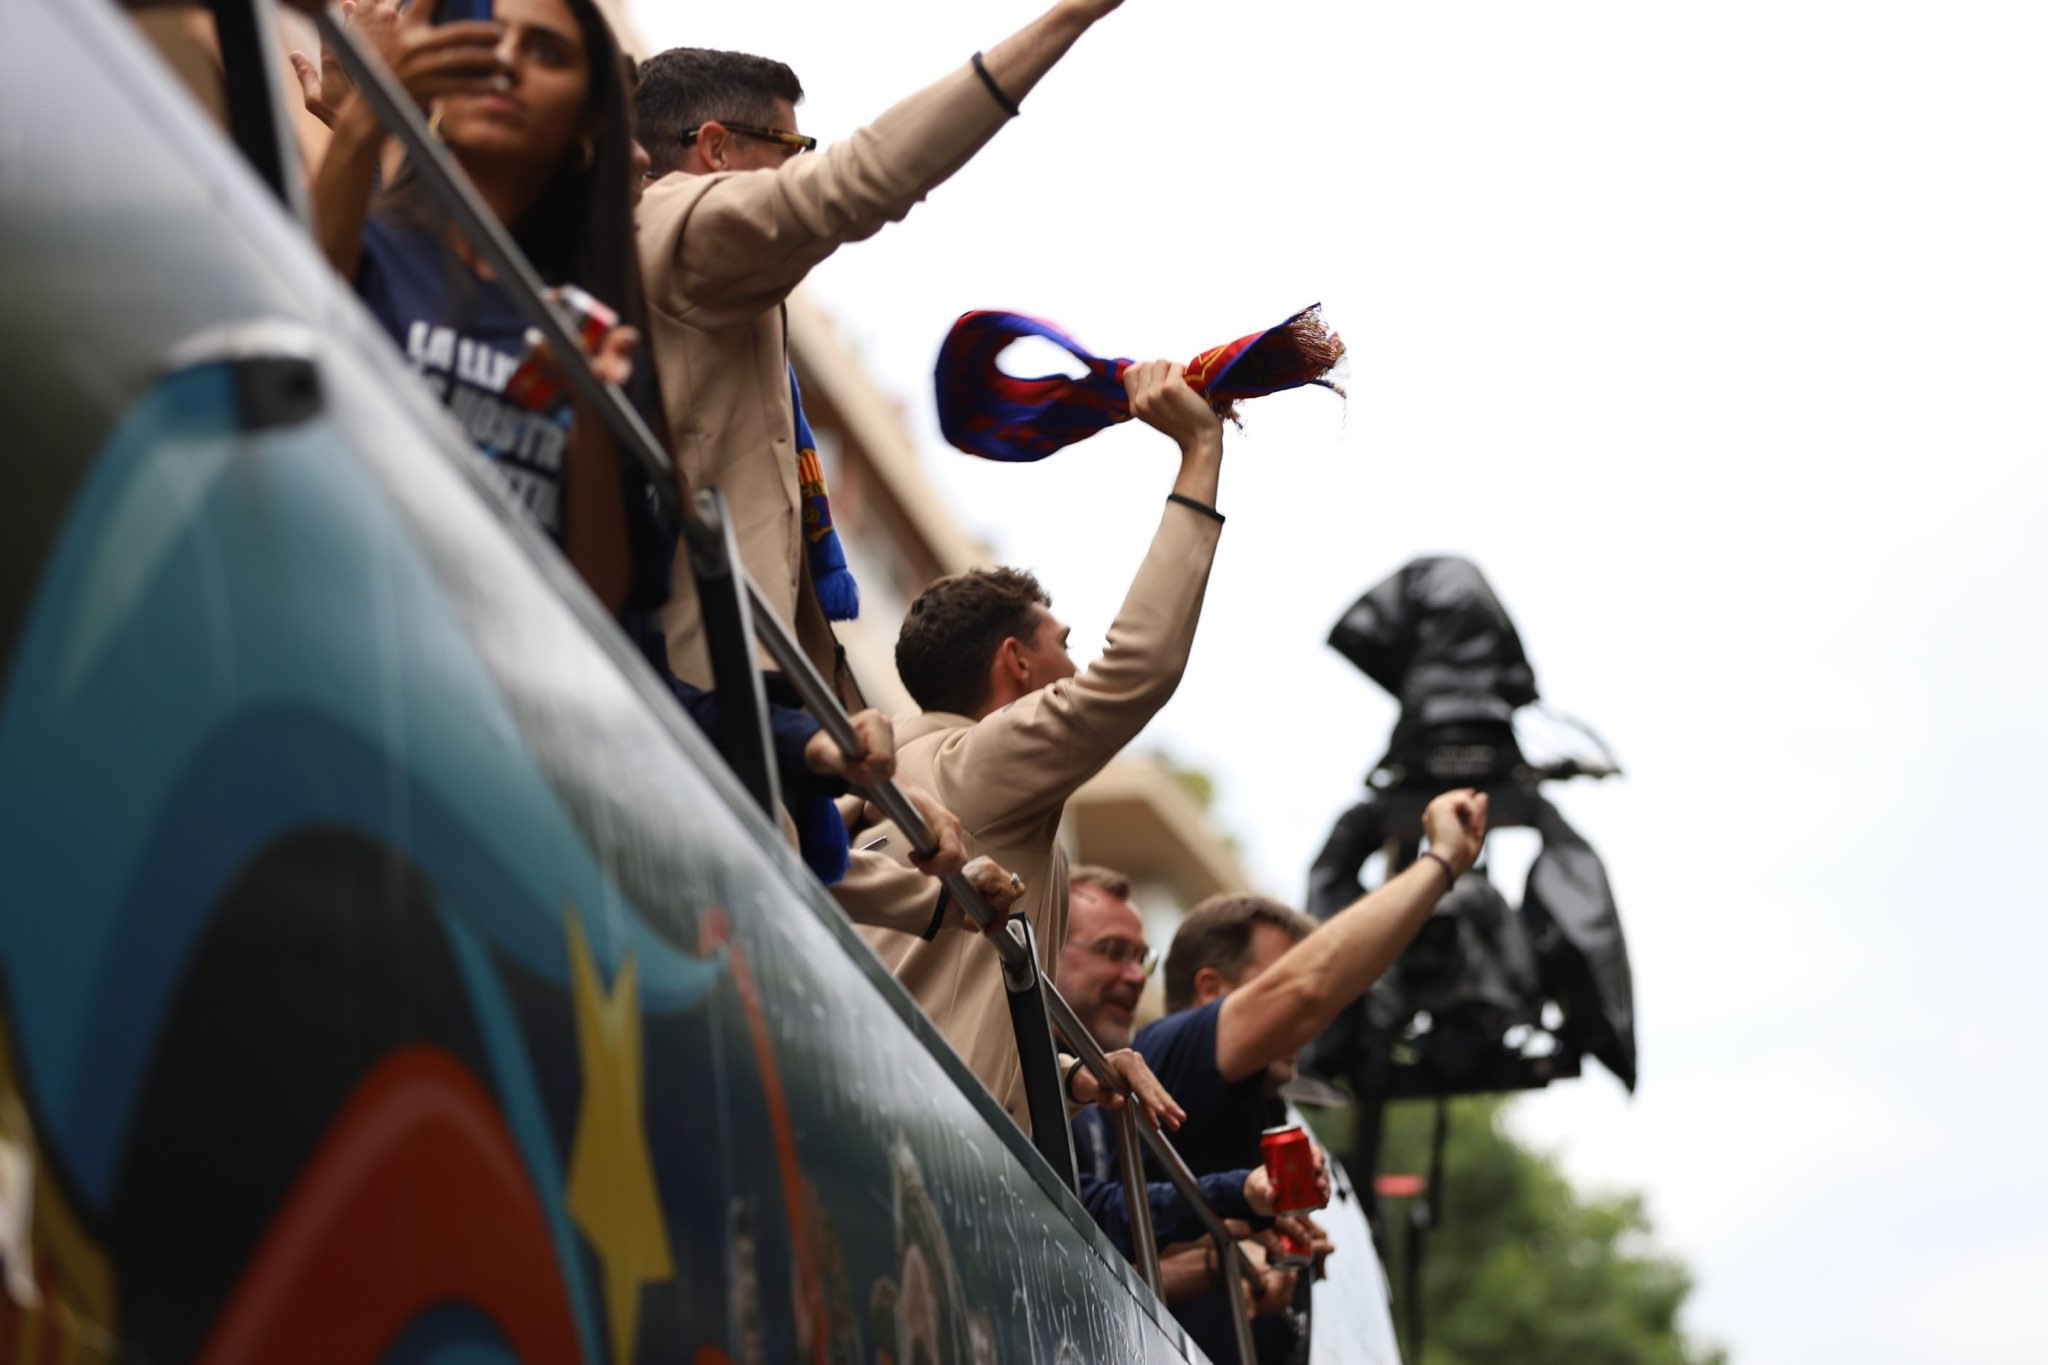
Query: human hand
(324, 85)
(321, 91)
(435, 60)
(1303, 1228)
(1258, 1184)
(540, 377)
(1258, 1191)
(1161, 399)
(877, 761)
(1270, 1290)
(998, 887)
(950, 852)
(1154, 1104)
(1456, 825)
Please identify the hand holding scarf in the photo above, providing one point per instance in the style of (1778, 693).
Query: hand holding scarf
(999, 416)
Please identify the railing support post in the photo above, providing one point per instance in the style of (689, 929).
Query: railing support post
(1130, 1152)
(743, 730)
(1025, 986)
(256, 95)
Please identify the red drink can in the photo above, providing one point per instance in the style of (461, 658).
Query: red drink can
(1293, 1253)
(1291, 1166)
(532, 386)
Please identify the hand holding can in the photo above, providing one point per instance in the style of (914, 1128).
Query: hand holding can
(1292, 1166)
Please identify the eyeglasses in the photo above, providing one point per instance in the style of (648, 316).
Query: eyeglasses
(800, 141)
(1121, 952)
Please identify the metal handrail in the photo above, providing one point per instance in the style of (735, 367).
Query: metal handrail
(1092, 1056)
(445, 183)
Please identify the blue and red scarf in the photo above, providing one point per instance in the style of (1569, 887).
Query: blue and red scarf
(838, 594)
(999, 416)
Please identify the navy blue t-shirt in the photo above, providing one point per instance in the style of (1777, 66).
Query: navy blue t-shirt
(465, 336)
(1225, 1121)
(1225, 1118)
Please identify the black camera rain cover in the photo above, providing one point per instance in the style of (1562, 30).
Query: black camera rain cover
(1436, 637)
(1571, 915)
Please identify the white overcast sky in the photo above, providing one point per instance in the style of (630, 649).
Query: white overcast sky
(1716, 335)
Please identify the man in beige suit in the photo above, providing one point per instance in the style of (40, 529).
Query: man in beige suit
(734, 221)
(1009, 730)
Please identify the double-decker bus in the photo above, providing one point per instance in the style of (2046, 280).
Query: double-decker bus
(388, 971)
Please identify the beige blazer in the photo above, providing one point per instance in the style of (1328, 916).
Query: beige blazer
(719, 254)
(1008, 777)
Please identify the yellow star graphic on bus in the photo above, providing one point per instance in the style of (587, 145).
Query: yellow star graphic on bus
(612, 1195)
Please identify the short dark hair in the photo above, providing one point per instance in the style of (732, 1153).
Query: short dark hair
(950, 637)
(1218, 933)
(1108, 881)
(686, 87)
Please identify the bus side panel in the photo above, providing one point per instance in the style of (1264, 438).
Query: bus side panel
(383, 973)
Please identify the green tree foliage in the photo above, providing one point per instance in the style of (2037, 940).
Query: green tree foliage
(1522, 1269)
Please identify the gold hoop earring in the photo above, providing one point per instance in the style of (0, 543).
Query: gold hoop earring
(586, 154)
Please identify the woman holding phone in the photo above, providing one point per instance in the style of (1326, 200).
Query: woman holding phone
(534, 106)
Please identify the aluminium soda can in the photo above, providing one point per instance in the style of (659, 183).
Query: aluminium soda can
(534, 386)
(1291, 1165)
(1293, 1253)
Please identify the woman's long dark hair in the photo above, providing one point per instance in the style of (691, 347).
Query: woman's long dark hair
(580, 229)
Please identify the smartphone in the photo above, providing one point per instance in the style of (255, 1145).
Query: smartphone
(459, 11)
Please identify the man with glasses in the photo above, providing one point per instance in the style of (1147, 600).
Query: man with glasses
(1105, 962)
(1103, 967)
(1249, 982)
(733, 220)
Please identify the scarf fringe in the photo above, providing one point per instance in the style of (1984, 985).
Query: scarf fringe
(1316, 347)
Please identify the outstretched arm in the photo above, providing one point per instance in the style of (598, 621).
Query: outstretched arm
(718, 250)
(1024, 760)
(1018, 62)
(1276, 1013)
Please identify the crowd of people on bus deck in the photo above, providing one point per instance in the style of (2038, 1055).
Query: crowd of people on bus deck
(679, 194)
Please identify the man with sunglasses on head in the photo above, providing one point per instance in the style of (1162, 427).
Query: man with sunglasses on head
(733, 220)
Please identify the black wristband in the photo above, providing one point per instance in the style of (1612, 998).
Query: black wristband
(1009, 106)
(931, 930)
(1204, 508)
(1445, 863)
(1073, 1069)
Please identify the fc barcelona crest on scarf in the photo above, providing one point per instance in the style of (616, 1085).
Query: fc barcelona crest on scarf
(999, 416)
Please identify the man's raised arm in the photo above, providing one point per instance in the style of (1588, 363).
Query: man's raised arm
(1017, 63)
(723, 249)
(1280, 1010)
(1026, 759)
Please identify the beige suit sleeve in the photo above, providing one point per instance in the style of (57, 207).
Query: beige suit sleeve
(730, 246)
(1021, 763)
(879, 891)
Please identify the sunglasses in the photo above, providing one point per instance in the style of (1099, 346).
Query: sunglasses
(800, 141)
